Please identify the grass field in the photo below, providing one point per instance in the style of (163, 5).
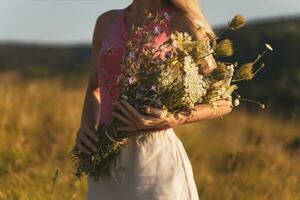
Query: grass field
(242, 156)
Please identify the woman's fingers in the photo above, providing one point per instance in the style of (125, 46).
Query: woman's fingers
(122, 118)
(91, 134)
(123, 110)
(134, 119)
(155, 112)
(87, 142)
(82, 148)
(133, 112)
(224, 103)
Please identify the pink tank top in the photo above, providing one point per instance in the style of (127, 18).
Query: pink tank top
(110, 56)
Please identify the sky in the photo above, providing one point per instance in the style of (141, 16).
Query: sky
(72, 21)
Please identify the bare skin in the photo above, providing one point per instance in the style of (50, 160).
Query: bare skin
(85, 135)
(135, 121)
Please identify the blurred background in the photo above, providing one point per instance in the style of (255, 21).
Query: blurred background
(44, 66)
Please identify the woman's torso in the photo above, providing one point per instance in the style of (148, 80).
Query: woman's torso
(111, 54)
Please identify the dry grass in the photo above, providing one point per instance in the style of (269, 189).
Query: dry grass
(243, 156)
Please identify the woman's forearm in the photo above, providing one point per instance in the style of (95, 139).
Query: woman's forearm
(91, 109)
(203, 112)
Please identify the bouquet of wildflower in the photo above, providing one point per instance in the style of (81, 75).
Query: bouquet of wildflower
(166, 76)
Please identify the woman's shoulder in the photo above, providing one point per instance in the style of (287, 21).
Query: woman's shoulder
(104, 21)
(107, 18)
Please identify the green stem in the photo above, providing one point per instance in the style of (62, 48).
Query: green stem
(253, 101)
(262, 65)
(260, 56)
(237, 80)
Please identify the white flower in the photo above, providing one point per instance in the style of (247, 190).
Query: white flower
(124, 97)
(236, 102)
(269, 47)
(131, 80)
(153, 87)
(131, 55)
(195, 84)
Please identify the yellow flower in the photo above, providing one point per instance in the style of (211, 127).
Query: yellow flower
(246, 71)
(237, 22)
(224, 48)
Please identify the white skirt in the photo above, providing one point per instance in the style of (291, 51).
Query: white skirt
(156, 167)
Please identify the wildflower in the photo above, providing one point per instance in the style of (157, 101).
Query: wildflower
(224, 48)
(157, 30)
(219, 71)
(153, 87)
(246, 71)
(230, 70)
(166, 16)
(124, 97)
(269, 47)
(236, 102)
(195, 85)
(132, 80)
(168, 54)
(237, 22)
(131, 55)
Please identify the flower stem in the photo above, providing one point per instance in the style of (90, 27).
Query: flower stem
(253, 101)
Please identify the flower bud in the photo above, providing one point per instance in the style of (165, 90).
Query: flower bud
(236, 102)
(245, 71)
(224, 48)
(237, 22)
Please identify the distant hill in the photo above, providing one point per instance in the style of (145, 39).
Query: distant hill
(278, 83)
(35, 59)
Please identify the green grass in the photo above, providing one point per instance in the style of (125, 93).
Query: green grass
(242, 156)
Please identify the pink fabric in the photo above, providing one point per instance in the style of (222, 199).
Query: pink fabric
(110, 56)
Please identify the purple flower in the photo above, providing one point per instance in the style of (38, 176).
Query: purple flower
(167, 16)
(168, 54)
(142, 88)
(157, 30)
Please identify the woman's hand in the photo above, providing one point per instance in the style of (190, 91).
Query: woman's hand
(86, 140)
(136, 121)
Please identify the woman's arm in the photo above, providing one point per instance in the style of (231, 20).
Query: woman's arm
(156, 118)
(203, 112)
(86, 134)
(91, 105)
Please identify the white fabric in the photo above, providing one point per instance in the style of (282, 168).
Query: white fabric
(156, 168)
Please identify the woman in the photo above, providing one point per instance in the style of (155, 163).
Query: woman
(156, 164)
